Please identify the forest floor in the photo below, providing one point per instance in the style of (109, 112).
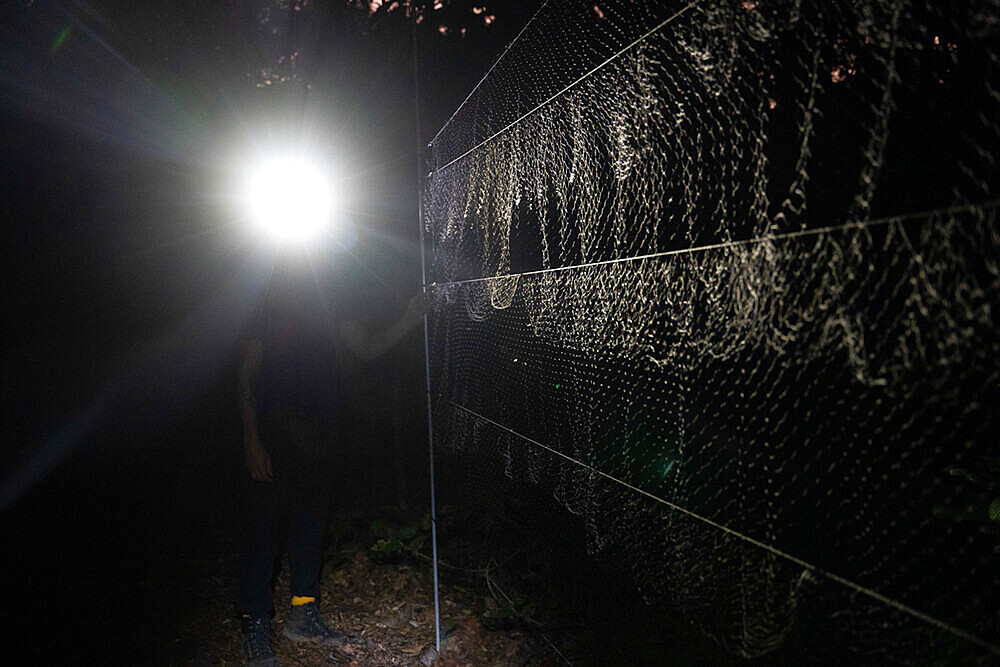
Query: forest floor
(385, 609)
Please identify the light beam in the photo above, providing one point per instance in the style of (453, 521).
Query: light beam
(289, 198)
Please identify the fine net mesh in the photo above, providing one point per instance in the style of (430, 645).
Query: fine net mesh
(719, 279)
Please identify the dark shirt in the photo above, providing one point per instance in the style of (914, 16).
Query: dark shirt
(300, 362)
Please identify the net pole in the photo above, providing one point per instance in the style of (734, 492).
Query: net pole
(427, 355)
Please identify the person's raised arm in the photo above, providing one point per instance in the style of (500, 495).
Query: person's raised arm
(368, 347)
(255, 457)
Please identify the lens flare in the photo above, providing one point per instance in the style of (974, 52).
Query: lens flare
(290, 198)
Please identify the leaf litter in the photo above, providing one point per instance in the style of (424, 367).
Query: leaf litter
(384, 606)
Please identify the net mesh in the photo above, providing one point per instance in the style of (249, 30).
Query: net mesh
(718, 278)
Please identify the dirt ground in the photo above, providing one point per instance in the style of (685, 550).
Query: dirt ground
(386, 610)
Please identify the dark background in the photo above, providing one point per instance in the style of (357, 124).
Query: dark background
(127, 280)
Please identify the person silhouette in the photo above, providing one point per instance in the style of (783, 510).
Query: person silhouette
(291, 393)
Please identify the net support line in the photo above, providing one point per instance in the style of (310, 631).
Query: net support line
(427, 354)
(582, 78)
(809, 567)
(980, 207)
(489, 71)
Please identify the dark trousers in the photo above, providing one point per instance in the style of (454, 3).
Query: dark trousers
(291, 509)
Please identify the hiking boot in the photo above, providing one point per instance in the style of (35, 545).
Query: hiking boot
(256, 638)
(304, 624)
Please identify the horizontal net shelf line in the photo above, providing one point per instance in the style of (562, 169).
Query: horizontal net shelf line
(980, 207)
(489, 71)
(811, 568)
(652, 31)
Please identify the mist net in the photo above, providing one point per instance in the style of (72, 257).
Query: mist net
(720, 279)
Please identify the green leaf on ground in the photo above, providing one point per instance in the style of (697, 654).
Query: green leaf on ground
(386, 551)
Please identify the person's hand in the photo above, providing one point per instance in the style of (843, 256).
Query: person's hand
(257, 460)
(419, 305)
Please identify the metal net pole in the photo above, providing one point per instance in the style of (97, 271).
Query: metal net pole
(427, 357)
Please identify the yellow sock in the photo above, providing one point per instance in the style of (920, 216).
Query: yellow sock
(299, 600)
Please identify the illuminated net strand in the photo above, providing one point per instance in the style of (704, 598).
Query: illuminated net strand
(985, 206)
(604, 181)
(991, 206)
(486, 76)
(831, 345)
(810, 568)
(561, 92)
(553, 112)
